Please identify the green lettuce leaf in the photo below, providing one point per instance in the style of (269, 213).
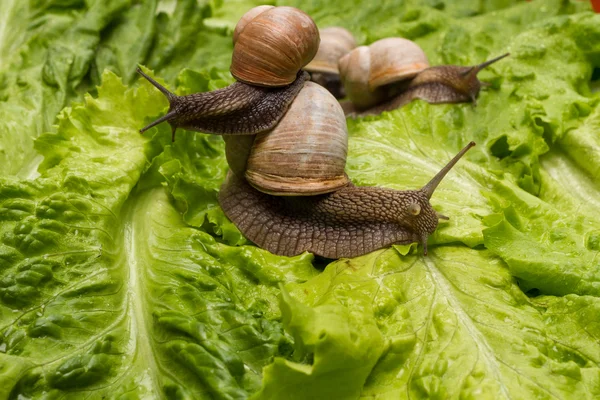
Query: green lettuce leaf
(44, 55)
(183, 40)
(120, 276)
(61, 287)
(551, 243)
(119, 55)
(97, 296)
(454, 325)
(337, 341)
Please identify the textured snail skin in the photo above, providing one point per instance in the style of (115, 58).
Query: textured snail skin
(349, 222)
(346, 223)
(238, 109)
(252, 109)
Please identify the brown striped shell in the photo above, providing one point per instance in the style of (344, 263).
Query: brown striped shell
(305, 154)
(271, 44)
(367, 70)
(246, 18)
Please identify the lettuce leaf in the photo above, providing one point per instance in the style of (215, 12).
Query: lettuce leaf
(96, 296)
(553, 246)
(120, 276)
(454, 325)
(45, 54)
(121, 56)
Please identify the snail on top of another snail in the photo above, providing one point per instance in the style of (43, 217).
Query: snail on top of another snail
(392, 72)
(287, 190)
(271, 45)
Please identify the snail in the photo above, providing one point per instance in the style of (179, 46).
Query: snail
(392, 72)
(241, 110)
(440, 84)
(347, 222)
(287, 190)
(271, 46)
(323, 69)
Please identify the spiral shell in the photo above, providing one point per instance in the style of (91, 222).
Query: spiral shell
(306, 153)
(271, 44)
(249, 16)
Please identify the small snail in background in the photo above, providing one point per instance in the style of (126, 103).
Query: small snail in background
(335, 43)
(392, 72)
(271, 45)
(287, 190)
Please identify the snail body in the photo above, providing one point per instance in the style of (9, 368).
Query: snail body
(437, 85)
(238, 109)
(286, 145)
(348, 222)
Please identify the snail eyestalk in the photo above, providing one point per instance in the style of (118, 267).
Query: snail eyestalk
(170, 95)
(475, 69)
(442, 216)
(424, 242)
(170, 115)
(433, 184)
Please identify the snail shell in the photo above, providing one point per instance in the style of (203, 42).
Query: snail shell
(367, 72)
(247, 17)
(271, 44)
(305, 154)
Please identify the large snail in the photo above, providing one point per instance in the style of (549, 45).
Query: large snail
(392, 72)
(287, 190)
(348, 222)
(335, 43)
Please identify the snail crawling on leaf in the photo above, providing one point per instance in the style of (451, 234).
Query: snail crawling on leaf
(287, 190)
(392, 72)
(348, 222)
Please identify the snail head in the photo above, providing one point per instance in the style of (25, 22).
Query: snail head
(470, 84)
(417, 214)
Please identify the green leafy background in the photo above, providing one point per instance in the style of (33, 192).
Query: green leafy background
(120, 276)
